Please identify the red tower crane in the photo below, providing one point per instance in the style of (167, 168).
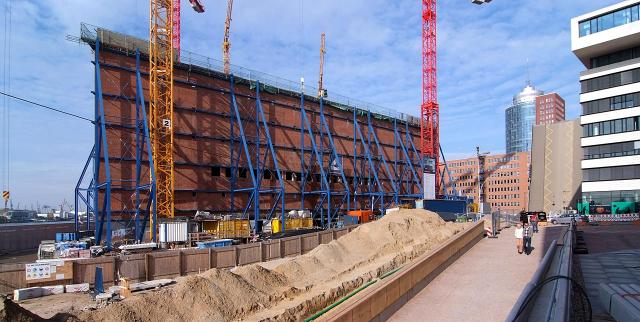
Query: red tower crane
(429, 110)
(175, 41)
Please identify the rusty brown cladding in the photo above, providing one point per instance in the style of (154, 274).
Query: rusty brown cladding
(202, 137)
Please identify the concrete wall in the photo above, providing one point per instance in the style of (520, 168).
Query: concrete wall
(170, 264)
(555, 167)
(380, 300)
(27, 236)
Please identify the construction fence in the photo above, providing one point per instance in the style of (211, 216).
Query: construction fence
(174, 263)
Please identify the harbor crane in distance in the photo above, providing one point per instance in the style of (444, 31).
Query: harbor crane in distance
(430, 109)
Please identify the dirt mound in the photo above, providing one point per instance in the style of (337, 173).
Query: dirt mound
(294, 288)
(10, 311)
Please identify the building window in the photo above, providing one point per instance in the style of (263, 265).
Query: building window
(614, 19)
(610, 127)
(215, 171)
(611, 80)
(611, 150)
(611, 173)
(611, 103)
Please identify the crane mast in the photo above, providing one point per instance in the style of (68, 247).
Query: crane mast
(429, 111)
(161, 102)
(176, 27)
(226, 45)
(321, 92)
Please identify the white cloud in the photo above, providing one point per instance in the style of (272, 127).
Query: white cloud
(373, 54)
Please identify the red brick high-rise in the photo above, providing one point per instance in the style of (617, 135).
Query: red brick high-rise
(549, 109)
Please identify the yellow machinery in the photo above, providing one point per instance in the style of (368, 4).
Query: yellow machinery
(235, 228)
(161, 102)
(291, 224)
(226, 45)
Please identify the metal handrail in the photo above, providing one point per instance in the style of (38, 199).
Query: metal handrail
(557, 306)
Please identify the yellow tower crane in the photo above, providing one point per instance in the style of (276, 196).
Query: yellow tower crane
(161, 102)
(226, 45)
(321, 91)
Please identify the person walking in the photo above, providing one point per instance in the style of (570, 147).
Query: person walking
(534, 223)
(526, 233)
(519, 233)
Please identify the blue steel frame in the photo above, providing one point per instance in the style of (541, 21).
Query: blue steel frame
(333, 199)
(256, 172)
(89, 196)
(326, 193)
(451, 180)
(408, 170)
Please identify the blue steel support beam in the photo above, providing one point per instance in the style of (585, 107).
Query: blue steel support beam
(334, 155)
(372, 168)
(142, 141)
(314, 146)
(78, 192)
(272, 152)
(384, 159)
(407, 160)
(446, 168)
(243, 138)
(101, 137)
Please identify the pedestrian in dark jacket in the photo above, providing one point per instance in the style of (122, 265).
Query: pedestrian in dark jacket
(526, 234)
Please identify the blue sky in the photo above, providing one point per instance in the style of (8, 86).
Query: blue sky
(373, 54)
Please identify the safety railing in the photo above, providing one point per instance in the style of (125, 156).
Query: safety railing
(547, 297)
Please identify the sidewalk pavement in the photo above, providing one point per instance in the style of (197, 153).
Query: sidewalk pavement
(483, 284)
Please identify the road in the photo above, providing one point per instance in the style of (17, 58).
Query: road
(482, 285)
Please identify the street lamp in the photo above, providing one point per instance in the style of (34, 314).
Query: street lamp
(481, 156)
(478, 2)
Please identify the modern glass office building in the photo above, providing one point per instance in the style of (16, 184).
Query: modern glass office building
(520, 117)
(607, 43)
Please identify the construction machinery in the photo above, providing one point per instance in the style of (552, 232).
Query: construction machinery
(161, 58)
(430, 109)
(226, 45)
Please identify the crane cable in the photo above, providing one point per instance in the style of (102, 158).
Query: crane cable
(6, 85)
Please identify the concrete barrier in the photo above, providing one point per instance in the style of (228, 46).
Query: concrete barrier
(379, 301)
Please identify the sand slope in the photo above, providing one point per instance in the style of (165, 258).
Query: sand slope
(292, 288)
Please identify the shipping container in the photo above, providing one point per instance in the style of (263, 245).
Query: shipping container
(214, 243)
(447, 209)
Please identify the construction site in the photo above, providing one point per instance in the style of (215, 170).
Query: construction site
(245, 147)
(214, 192)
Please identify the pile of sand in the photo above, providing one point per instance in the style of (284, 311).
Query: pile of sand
(290, 288)
(10, 311)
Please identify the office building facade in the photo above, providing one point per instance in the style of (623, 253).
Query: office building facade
(556, 176)
(607, 43)
(504, 180)
(519, 119)
(549, 109)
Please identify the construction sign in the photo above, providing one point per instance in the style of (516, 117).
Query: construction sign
(5, 195)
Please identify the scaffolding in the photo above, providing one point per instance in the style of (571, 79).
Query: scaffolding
(378, 181)
(89, 195)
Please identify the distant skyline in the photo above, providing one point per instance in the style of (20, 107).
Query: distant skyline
(373, 54)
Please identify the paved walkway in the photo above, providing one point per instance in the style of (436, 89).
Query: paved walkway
(614, 257)
(482, 285)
